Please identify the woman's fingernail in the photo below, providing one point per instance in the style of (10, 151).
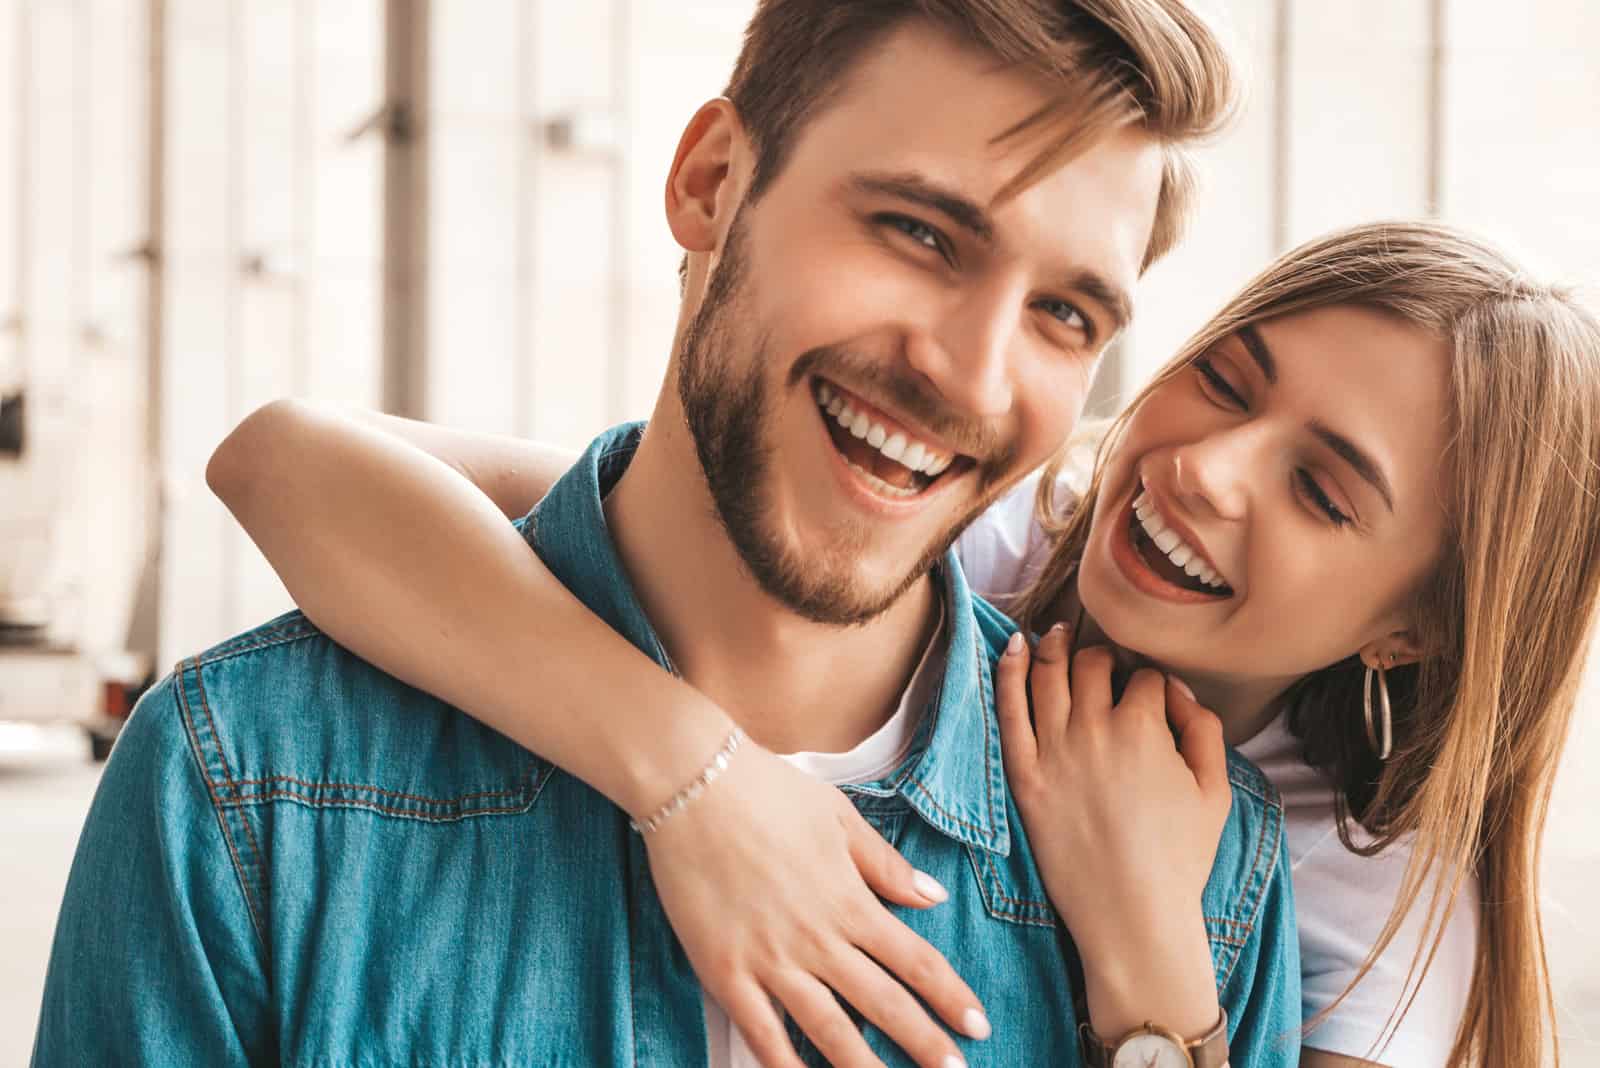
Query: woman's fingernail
(929, 887)
(952, 1061)
(976, 1024)
(1014, 645)
(1183, 687)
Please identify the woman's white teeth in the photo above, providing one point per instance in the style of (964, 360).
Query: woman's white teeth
(1171, 544)
(896, 446)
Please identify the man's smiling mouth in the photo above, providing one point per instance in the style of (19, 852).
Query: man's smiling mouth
(892, 460)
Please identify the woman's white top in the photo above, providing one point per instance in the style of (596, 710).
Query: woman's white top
(1342, 900)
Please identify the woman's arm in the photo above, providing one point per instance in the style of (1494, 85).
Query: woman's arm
(377, 529)
(391, 536)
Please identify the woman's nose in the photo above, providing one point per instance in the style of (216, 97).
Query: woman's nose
(1211, 475)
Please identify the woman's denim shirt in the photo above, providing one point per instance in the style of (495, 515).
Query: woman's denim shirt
(295, 858)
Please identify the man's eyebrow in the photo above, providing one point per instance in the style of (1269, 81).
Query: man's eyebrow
(959, 209)
(970, 216)
(1259, 352)
(1363, 464)
(1113, 298)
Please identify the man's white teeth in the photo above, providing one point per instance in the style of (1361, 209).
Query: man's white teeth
(897, 446)
(1171, 545)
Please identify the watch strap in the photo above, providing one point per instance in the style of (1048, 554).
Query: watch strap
(1210, 1050)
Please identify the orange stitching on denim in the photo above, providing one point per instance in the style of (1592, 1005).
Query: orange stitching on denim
(388, 810)
(1275, 816)
(219, 806)
(255, 847)
(993, 886)
(526, 782)
(280, 635)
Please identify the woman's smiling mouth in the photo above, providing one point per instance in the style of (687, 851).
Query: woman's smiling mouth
(1155, 558)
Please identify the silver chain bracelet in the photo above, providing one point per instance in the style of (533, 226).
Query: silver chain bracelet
(718, 765)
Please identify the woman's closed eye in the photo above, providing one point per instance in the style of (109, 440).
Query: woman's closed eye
(1217, 386)
(1319, 498)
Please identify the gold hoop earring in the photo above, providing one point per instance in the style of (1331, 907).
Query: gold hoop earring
(1380, 747)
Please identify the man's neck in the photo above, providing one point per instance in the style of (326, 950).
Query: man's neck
(791, 683)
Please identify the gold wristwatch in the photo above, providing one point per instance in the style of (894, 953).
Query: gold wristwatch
(1152, 1046)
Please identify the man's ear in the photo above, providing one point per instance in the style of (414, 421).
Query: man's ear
(708, 177)
(1393, 650)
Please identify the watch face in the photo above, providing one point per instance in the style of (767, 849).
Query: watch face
(1150, 1051)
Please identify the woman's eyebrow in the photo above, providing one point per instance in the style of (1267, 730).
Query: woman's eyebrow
(1362, 464)
(1259, 352)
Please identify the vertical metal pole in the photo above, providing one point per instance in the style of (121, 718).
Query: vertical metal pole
(145, 628)
(1282, 125)
(522, 364)
(85, 334)
(1438, 72)
(237, 74)
(22, 294)
(621, 336)
(405, 208)
(304, 191)
(155, 233)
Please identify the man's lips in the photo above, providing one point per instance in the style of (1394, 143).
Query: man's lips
(898, 462)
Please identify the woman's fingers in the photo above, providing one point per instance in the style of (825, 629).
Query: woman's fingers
(887, 1005)
(1048, 681)
(820, 1016)
(924, 971)
(1199, 733)
(884, 870)
(757, 1019)
(1018, 745)
(1091, 684)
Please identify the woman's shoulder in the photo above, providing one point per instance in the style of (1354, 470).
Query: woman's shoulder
(1343, 900)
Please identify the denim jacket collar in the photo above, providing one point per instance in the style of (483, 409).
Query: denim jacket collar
(953, 777)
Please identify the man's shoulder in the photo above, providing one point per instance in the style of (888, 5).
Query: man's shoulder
(1249, 886)
(284, 713)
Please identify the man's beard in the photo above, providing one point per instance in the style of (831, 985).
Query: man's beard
(727, 411)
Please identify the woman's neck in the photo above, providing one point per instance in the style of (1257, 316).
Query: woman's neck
(1245, 706)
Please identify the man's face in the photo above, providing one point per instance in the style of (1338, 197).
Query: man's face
(884, 346)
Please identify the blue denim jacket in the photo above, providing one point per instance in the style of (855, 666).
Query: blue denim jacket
(295, 858)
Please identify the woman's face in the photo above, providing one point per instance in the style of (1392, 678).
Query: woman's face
(1293, 470)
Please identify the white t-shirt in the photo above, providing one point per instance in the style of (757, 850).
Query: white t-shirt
(1342, 900)
(876, 756)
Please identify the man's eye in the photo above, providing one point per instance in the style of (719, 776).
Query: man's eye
(920, 232)
(1067, 314)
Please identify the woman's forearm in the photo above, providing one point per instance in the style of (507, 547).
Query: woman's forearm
(394, 553)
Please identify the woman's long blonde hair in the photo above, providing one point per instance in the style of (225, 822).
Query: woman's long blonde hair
(1504, 620)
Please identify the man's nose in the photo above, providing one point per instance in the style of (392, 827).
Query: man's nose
(968, 358)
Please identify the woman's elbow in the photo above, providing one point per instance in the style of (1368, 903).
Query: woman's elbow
(247, 454)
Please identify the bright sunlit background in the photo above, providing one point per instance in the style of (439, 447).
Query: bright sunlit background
(452, 210)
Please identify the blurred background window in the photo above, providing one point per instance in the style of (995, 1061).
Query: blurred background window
(452, 209)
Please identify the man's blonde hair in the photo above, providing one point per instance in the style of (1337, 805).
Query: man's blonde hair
(1154, 63)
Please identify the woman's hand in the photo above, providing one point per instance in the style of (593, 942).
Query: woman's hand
(1124, 805)
(769, 879)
